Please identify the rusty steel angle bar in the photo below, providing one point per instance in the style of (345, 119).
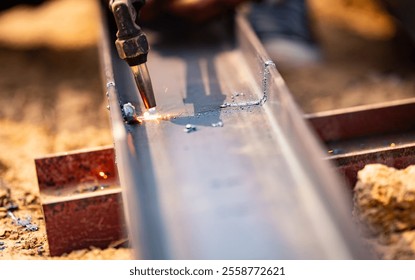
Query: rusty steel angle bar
(364, 121)
(248, 182)
(81, 200)
(377, 133)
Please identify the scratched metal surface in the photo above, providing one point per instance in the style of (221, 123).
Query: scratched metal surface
(252, 189)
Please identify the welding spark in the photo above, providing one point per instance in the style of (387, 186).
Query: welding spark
(152, 115)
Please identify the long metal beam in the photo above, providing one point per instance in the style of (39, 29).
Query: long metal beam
(249, 183)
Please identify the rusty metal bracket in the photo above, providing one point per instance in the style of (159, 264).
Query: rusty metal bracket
(81, 200)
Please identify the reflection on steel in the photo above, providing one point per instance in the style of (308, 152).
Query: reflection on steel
(380, 133)
(81, 200)
(256, 188)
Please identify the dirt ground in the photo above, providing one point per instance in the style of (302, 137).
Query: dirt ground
(366, 59)
(52, 100)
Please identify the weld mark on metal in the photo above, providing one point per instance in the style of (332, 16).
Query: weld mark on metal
(110, 84)
(265, 90)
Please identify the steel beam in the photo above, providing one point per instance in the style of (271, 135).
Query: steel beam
(255, 188)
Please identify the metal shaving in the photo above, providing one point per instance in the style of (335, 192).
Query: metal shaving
(128, 112)
(335, 151)
(218, 124)
(26, 223)
(189, 128)
(12, 207)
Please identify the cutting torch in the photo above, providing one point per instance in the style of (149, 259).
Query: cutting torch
(132, 45)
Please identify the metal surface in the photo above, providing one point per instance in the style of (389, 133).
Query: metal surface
(380, 133)
(255, 188)
(81, 200)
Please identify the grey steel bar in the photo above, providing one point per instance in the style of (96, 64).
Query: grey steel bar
(256, 188)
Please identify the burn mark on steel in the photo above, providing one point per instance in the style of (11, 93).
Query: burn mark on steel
(265, 90)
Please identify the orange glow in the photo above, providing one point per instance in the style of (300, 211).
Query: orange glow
(103, 175)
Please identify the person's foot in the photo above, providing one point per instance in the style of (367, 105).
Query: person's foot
(283, 27)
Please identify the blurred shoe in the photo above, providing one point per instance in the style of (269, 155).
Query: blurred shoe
(284, 29)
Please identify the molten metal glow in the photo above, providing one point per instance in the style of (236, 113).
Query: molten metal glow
(103, 175)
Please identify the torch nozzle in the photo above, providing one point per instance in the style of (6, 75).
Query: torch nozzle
(144, 85)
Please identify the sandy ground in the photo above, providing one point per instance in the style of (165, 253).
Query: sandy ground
(366, 59)
(52, 101)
